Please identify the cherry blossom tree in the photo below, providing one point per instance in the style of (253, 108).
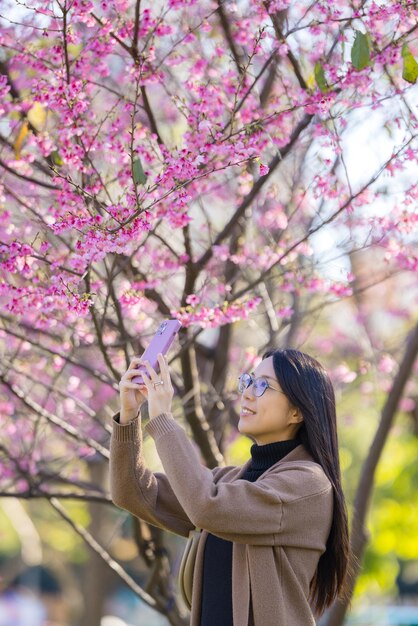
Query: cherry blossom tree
(245, 167)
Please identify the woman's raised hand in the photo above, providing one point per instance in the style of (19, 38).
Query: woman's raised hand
(132, 395)
(159, 387)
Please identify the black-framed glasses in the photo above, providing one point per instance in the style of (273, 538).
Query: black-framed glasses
(259, 384)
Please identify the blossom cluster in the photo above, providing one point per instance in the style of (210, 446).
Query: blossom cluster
(215, 316)
(170, 165)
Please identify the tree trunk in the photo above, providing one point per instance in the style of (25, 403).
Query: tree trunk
(97, 576)
(335, 615)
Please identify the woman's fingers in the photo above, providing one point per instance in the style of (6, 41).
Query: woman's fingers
(165, 375)
(147, 372)
(135, 386)
(147, 381)
(132, 369)
(133, 365)
(151, 373)
(131, 374)
(128, 380)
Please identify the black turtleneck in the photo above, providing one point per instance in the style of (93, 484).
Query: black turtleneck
(216, 605)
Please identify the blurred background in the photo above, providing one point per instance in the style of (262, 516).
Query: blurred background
(249, 168)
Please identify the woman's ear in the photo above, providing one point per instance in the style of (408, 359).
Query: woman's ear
(296, 415)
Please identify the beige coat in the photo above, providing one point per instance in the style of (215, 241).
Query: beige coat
(278, 525)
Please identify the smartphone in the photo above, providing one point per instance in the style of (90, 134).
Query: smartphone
(160, 343)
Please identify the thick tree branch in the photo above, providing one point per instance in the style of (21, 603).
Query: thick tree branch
(237, 54)
(64, 36)
(54, 389)
(35, 163)
(136, 26)
(28, 179)
(276, 21)
(193, 410)
(315, 229)
(99, 335)
(41, 495)
(150, 115)
(104, 554)
(91, 370)
(35, 408)
(254, 192)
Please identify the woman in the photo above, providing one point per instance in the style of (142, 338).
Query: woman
(274, 547)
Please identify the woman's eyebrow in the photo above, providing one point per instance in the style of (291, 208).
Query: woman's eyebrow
(264, 376)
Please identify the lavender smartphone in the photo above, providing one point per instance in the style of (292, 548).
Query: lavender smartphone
(160, 343)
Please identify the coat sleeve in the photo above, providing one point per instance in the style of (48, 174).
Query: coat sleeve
(137, 489)
(291, 505)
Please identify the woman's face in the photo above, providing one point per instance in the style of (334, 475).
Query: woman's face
(273, 417)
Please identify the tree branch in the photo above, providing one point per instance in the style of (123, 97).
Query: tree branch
(102, 553)
(46, 495)
(237, 54)
(330, 219)
(94, 372)
(254, 192)
(277, 28)
(52, 419)
(28, 179)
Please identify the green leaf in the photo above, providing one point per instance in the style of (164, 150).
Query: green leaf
(253, 127)
(360, 52)
(320, 77)
(139, 175)
(56, 158)
(410, 66)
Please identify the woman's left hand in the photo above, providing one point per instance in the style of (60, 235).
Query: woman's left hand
(160, 396)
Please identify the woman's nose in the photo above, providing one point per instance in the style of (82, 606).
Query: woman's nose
(249, 392)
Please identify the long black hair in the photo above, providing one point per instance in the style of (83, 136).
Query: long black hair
(309, 388)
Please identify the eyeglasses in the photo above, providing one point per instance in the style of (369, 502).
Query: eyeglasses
(259, 384)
